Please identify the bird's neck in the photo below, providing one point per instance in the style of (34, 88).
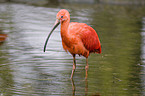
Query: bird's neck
(64, 29)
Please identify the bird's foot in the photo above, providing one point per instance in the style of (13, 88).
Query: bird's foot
(87, 67)
(73, 70)
(72, 74)
(74, 67)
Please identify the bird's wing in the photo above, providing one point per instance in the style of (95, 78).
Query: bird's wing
(88, 36)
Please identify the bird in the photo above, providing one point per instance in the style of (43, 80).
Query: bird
(77, 38)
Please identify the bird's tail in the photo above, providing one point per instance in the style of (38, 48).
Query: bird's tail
(98, 50)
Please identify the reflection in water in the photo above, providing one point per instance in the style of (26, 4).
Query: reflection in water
(26, 70)
(86, 87)
(74, 87)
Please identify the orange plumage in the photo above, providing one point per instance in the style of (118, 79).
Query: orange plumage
(83, 41)
(77, 38)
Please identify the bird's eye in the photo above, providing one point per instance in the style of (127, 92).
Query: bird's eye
(61, 16)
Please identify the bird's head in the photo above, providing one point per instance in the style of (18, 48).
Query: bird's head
(62, 16)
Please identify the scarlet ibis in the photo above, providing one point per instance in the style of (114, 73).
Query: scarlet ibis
(77, 38)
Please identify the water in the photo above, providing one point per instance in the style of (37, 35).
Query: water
(25, 70)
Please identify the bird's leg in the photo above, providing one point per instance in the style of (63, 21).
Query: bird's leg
(86, 68)
(87, 65)
(74, 66)
(74, 62)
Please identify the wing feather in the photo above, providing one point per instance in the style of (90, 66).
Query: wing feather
(88, 36)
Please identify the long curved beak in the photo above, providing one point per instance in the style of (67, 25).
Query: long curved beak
(57, 22)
